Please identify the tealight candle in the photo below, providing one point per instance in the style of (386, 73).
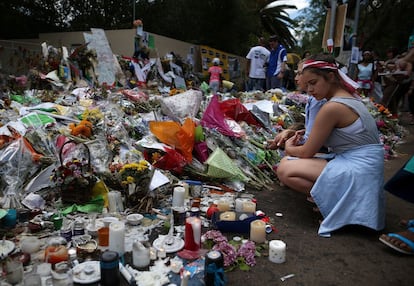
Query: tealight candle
(153, 253)
(249, 207)
(178, 197)
(258, 231)
(161, 253)
(277, 251)
(117, 237)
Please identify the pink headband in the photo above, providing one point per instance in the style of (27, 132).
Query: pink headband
(348, 82)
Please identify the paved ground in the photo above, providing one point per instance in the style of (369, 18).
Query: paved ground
(352, 256)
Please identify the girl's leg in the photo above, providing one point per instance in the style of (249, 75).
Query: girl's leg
(300, 174)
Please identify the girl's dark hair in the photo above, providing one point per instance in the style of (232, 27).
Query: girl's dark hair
(304, 54)
(324, 72)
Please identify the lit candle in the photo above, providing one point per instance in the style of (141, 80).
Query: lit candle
(192, 236)
(223, 205)
(277, 251)
(249, 207)
(185, 278)
(178, 197)
(176, 265)
(258, 231)
(161, 253)
(239, 204)
(153, 253)
(228, 216)
(117, 237)
(213, 268)
(186, 189)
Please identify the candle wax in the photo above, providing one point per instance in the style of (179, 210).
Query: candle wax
(117, 237)
(192, 237)
(277, 251)
(258, 231)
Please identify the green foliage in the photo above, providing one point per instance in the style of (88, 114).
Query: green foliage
(231, 25)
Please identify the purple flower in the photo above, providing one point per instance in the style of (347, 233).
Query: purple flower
(247, 251)
(228, 251)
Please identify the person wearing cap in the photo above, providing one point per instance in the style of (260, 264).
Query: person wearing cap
(276, 65)
(257, 58)
(338, 183)
(216, 76)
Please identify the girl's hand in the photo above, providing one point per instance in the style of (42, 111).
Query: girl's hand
(294, 141)
(280, 139)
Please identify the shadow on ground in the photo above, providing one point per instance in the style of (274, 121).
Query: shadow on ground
(352, 256)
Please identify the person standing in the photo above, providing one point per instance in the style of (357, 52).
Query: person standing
(276, 64)
(257, 58)
(366, 72)
(216, 74)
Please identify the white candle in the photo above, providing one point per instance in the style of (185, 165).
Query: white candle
(153, 253)
(258, 231)
(161, 253)
(239, 204)
(140, 255)
(223, 205)
(228, 216)
(277, 251)
(249, 207)
(186, 187)
(117, 237)
(178, 197)
(115, 202)
(184, 279)
(176, 265)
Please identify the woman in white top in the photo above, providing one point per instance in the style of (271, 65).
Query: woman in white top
(366, 72)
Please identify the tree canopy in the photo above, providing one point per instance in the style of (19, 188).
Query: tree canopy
(231, 25)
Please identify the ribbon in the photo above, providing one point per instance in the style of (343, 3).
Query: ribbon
(364, 81)
(347, 81)
(219, 279)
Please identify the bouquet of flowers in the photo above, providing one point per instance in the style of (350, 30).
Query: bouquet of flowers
(134, 173)
(75, 179)
(135, 178)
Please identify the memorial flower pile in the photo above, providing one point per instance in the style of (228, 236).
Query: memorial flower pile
(236, 254)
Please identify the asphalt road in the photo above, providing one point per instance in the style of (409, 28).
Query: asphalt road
(352, 256)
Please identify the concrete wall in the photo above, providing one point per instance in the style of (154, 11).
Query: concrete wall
(121, 42)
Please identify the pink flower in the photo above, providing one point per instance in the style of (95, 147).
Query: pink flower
(228, 251)
(380, 123)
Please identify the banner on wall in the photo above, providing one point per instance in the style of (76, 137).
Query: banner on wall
(207, 56)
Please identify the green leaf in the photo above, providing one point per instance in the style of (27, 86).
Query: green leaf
(244, 267)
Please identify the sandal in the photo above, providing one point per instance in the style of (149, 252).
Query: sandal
(407, 223)
(399, 241)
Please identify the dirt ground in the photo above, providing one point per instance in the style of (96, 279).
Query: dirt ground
(352, 256)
